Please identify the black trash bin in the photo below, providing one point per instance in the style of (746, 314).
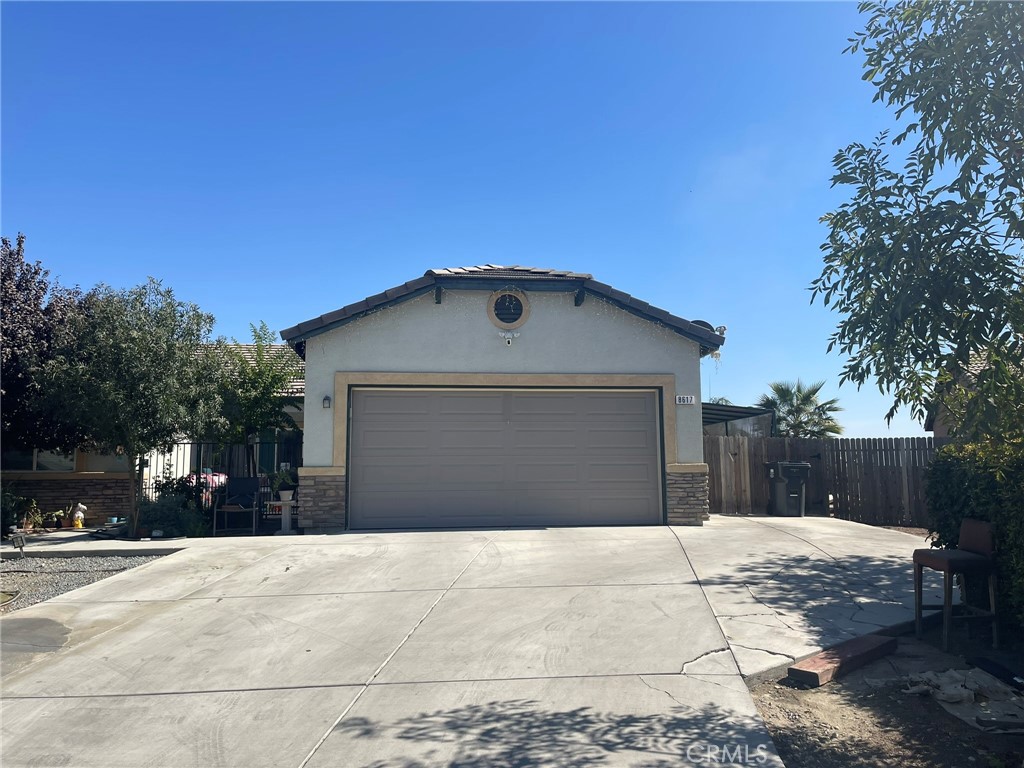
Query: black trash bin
(788, 487)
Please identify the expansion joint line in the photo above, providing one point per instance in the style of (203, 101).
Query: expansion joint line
(707, 602)
(391, 655)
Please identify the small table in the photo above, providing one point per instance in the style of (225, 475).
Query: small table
(284, 508)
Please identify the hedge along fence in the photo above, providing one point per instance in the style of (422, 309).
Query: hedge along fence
(985, 482)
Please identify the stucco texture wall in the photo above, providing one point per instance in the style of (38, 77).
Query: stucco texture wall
(457, 336)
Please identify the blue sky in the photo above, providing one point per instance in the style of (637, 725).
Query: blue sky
(277, 161)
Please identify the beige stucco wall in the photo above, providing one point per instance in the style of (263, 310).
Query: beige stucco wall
(457, 337)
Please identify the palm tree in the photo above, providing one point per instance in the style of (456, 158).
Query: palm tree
(798, 412)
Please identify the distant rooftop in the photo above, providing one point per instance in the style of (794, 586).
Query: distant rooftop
(295, 387)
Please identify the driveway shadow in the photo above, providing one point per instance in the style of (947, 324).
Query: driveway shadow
(518, 732)
(822, 600)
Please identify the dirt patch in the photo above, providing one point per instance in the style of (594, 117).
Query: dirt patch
(851, 723)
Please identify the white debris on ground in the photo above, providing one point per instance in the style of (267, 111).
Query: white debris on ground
(973, 695)
(29, 580)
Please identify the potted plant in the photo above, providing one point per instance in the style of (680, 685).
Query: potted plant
(33, 518)
(284, 484)
(57, 519)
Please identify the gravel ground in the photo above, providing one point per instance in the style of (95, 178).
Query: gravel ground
(35, 579)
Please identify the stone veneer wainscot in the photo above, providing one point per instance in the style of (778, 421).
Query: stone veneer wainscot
(686, 488)
(321, 499)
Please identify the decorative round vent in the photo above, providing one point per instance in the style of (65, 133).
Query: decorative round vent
(508, 308)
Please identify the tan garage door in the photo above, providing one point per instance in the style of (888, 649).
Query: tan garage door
(429, 458)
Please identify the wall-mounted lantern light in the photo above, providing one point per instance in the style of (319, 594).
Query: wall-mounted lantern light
(327, 401)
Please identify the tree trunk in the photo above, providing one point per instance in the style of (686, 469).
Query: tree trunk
(136, 495)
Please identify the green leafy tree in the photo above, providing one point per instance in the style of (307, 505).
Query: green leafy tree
(799, 412)
(924, 263)
(257, 386)
(37, 314)
(135, 374)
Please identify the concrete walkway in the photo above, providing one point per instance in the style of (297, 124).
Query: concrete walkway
(784, 588)
(555, 647)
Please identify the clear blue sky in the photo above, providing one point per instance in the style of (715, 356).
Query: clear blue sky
(277, 161)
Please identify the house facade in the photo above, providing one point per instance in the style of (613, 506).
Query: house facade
(501, 396)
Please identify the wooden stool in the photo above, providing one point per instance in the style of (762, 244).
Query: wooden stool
(973, 556)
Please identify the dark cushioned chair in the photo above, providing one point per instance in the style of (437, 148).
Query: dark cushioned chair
(241, 500)
(972, 557)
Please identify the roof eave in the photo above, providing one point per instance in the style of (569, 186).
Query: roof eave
(298, 334)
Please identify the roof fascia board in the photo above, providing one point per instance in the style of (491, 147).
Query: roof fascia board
(707, 340)
(299, 335)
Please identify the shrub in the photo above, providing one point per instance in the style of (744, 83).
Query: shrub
(173, 514)
(193, 489)
(12, 508)
(985, 482)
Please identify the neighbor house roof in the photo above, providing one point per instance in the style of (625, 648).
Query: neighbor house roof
(496, 277)
(295, 387)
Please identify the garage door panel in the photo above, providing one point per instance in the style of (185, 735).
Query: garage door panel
(471, 406)
(469, 503)
(556, 508)
(469, 474)
(619, 439)
(504, 458)
(470, 437)
(394, 438)
(378, 476)
(617, 407)
(528, 473)
(383, 405)
(545, 438)
(640, 472)
(558, 405)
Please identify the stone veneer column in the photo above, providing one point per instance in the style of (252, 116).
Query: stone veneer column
(686, 488)
(321, 499)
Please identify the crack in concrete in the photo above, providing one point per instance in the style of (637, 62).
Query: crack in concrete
(662, 690)
(763, 650)
(703, 655)
(798, 561)
(775, 613)
(711, 682)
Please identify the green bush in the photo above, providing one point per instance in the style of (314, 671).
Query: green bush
(173, 514)
(984, 482)
(14, 507)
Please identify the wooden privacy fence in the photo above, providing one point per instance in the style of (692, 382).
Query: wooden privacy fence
(879, 481)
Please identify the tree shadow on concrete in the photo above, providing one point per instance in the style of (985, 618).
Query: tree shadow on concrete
(518, 733)
(826, 600)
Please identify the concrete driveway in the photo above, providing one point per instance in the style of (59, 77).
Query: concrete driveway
(555, 647)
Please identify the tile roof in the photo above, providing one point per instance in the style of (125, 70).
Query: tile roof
(699, 331)
(295, 387)
(519, 273)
